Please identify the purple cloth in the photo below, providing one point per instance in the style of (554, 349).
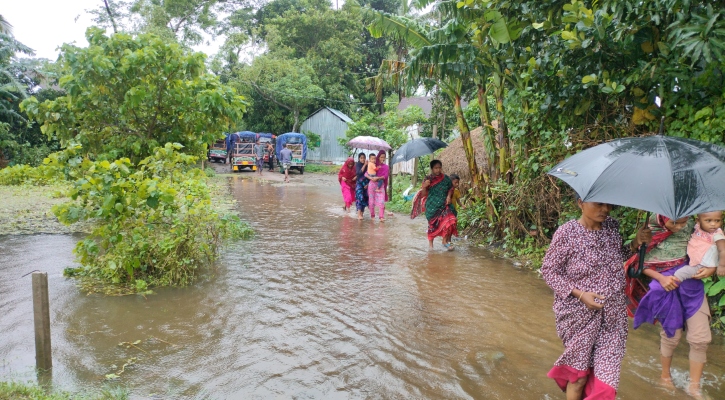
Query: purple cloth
(671, 308)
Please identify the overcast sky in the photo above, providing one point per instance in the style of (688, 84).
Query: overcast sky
(44, 25)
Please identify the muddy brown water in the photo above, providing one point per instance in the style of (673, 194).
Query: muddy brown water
(318, 305)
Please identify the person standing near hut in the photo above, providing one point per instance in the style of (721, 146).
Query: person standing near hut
(347, 177)
(583, 266)
(434, 199)
(378, 194)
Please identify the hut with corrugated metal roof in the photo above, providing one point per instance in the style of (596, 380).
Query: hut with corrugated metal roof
(331, 125)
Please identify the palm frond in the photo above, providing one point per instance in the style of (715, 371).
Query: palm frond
(397, 27)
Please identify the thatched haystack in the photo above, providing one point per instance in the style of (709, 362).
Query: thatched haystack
(454, 158)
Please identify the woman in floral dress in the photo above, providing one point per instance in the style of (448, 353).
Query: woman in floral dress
(584, 268)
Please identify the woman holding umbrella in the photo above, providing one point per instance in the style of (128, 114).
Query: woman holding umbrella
(347, 177)
(361, 185)
(584, 268)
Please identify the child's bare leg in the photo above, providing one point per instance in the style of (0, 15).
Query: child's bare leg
(430, 244)
(575, 390)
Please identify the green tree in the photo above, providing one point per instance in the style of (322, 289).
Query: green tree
(290, 84)
(127, 95)
(329, 40)
(184, 20)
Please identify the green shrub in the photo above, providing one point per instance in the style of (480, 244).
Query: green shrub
(323, 169)
(397, 203)
(156, 226)
(25, 174)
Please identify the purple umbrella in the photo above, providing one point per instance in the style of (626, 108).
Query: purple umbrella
(369, 143)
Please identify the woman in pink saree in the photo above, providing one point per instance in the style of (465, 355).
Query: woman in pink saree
(347, 179)
(379, 195)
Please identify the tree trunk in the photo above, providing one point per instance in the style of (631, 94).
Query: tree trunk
(504, 151)
(489, 135)
(468, 148)
(297, 120)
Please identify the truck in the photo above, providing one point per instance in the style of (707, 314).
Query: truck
(243, 152)
(297, 143)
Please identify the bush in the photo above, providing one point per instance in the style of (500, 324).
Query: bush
(322, 169)
(156, 224)
(397, 203)
(25, 174)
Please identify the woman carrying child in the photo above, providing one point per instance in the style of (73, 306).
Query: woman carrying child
(677, 303)
(378, 186)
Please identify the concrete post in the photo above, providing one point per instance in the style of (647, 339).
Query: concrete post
(41, 316)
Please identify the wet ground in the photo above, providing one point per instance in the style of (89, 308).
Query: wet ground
(317, 305)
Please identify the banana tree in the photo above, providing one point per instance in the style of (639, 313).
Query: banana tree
(433, 59)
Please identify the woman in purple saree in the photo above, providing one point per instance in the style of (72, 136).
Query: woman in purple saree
(676, 305)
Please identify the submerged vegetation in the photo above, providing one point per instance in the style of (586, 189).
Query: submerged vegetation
(29, 391)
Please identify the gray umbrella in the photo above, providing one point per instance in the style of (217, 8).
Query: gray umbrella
(671, 176)
(416, 148)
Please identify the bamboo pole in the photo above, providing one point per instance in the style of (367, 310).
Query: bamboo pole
(41, 316)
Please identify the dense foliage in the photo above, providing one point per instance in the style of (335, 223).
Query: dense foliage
(551, 78)
(127, 95)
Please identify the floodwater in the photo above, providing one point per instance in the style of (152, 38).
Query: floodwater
(317, 305)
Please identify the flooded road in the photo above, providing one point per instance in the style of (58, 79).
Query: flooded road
(317, 305)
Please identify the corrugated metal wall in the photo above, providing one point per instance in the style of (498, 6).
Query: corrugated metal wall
(330, 128)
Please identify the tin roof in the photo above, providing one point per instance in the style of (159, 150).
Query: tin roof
(337, 113)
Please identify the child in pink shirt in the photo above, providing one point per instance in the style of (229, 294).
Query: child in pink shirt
(373, 170)
(706, 247)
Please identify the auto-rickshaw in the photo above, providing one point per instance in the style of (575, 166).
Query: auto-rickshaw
(297, 143)
(243, 152)
(217, 152)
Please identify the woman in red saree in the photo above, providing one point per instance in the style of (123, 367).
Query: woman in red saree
(347, 178)
(583, 266)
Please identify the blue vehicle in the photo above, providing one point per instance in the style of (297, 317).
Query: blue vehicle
(243, 151)
(297, 143)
